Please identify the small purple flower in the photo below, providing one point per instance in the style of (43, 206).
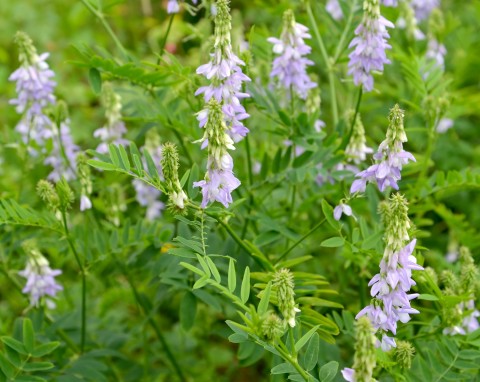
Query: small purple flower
(85, 203)
(389, 289)
(334, 9)
(348, 374)
(218, 186)
(390, 3)
(226, 77)
(369, 46)
(40, 280)
(173, 6)
(423, 8)
(290, 67)
(342, 209)
(444, 125)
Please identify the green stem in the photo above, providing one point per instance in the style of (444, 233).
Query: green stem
(340, 45)
(150, 320)
(347, 138)
(299, 241)
(100, 16)
(293, 361)
(428, 154)
(182, 143)
(84, 283)
(164, 41)
(328, 63)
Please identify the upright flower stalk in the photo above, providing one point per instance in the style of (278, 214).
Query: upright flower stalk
(41, 284)
(284, 283)
(170, 163)
(219, 182)
(225, 75)
(36, 103)
(391, 302)
(389, 158)
(365, 358)
(290, 67)
(369, 46)
(35, 87)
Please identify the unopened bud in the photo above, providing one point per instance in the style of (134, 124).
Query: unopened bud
(404, 353)
(47, 193)
(272, 326)
(284, 283)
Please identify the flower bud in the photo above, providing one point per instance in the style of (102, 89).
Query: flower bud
(404, 353)
(397, 223)
(47, 193)
(65, 195)
(284, 283)
(170, 164)
(365, 353)
(272, 326)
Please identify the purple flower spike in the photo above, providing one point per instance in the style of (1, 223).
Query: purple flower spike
(369, 46)
(290, 67)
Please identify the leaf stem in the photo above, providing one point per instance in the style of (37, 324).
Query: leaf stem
(328, 63)
(141, 302)
(299, 241)
(101, 17)
(84, 283)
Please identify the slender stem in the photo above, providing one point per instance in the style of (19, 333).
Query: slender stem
(150, 320)
(249, 161)
(328, 63)
(340, 45)
(354, 119)
(299, 241)
(100, 16)
(164, 41)
(182, 143)
(84, 283)
(428, 154)
(287, 357)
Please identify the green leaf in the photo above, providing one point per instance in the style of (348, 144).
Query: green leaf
(204, 265)
(188, 310)
(201, 282)
(232, 276)
(427, 297)
(192, 268)
(37, 366)
(333, 242)
(214, 269)
(311, 355)
(45, 349)
(102, 165)
(302, 341)
(28, 335)
(6, 367)
(263, 305)
(283, 368)
(328, 371)
(15, 345)
(95, 79)
(245, 288)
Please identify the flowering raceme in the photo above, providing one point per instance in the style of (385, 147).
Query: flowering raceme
(369, 46)
(219, 182)
(290, 67)
(390, 157)
(35, 102)
(423, 8)
(391, 302)
(226, 77)
(40, 279)
(34, 86)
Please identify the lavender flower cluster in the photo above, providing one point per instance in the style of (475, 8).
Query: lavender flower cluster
(40, 280)
(290, 67)
(390, 157)
(35, 94)
(222, 118)
(370, 45)
(389, 289)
